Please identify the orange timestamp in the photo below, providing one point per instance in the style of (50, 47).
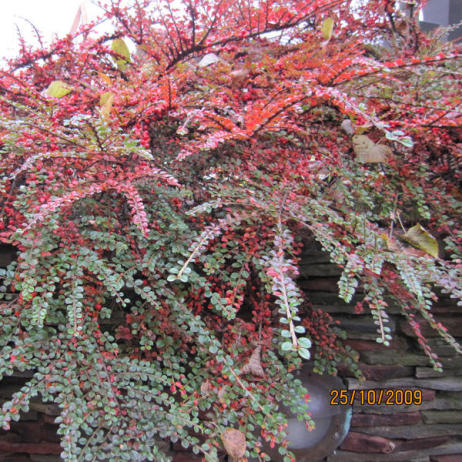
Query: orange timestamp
(376, 397)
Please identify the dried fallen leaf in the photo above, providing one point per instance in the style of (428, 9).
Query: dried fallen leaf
(238, 77)
(347, 127)
(419, 237)
(369, 152)
(106, 100)
(205, 388)
(208, 59)
(58, 89)
(234, 443)
(254, 366)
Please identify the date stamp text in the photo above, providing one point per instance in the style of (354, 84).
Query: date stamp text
(376, 397)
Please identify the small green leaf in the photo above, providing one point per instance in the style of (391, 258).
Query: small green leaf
(304, 353)
(400, 137)
(171, 277)
(304, 342)
(407, 141)
(58, 89)
(286, 346)
(299, 329)
(327, 28)
(285, 333)
(394, 134)
(120, 47)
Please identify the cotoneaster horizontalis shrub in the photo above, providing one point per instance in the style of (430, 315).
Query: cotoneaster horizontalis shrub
(157, 200)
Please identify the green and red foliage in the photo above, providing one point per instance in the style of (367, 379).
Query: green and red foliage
(157, 201)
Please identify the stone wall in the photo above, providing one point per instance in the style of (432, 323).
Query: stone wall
(430, 432)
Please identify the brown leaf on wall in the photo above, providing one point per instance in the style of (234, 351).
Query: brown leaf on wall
(254, 366)
(234, 443)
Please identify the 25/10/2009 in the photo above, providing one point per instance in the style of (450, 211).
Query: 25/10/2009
(378, 397)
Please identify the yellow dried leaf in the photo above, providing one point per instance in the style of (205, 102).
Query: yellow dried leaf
(327, 28)
(369, 152)
(105, 78)
(120, 47)
(419, 237)
(105, 101)
(238, 77)
(58, 89)
(234, 443)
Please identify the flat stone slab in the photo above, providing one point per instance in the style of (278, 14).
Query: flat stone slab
(410, 432)
(373, 420)
(388, 357)
(312, 269)
(453, 324)
(421, 443)
(45, 408)
(319, 284)
(427, 372)
(45, 458)
(362, 324)
(443, 383)
(435, 417)
(452, 363)
(6, 391)
(401, 456)
(328, 298)
(30, 448)
(440, 347)
(361, 442)
(396, 343)
(380, 372)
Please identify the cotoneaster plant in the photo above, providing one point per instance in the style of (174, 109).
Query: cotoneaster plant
(158, 199)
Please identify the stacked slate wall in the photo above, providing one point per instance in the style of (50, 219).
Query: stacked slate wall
(429, 432)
